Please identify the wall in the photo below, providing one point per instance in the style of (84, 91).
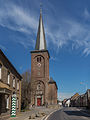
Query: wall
(52, 93)
(6, 67)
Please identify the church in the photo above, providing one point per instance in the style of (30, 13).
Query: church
(43, 87)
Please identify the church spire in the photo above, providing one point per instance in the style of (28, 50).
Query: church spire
(41, 42)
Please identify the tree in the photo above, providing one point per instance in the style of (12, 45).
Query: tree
(25, 89)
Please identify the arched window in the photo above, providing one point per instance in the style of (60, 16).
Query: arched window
(39, 59)
(38, 86)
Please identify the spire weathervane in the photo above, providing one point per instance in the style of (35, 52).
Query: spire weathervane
(41, 7)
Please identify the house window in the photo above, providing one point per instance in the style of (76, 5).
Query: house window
(7, 105)
(0, 71)
(17, 85)
(17, 103)
(14, 82)
(8, 77)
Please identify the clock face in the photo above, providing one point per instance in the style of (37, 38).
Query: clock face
(39, 64)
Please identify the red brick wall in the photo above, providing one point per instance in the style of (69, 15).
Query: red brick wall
(39, 73)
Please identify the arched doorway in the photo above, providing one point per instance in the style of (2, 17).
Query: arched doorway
(40, 94)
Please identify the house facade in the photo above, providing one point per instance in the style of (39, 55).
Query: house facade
(41, 87)
(10, 84)
(73, 99)
(81, 100)
(88, 98)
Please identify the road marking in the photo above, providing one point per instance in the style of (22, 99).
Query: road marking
(50, 114)
(43, 118)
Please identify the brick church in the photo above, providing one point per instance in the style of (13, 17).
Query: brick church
(43, 88)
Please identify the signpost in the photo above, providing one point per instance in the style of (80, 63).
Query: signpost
(13, 110)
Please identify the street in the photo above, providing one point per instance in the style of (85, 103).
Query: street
(69, 113)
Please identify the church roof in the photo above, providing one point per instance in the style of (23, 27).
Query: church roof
(41, 42)
(51, 81)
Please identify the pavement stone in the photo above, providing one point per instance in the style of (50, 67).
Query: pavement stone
(38, 110)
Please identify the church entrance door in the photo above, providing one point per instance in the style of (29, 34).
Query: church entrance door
(38, 101)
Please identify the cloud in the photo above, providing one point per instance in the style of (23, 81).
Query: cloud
(2, 47)
(86, 14)
(53, 58)
(24, 41)
(17, 19)
(67, 32)
(71, 32)
(27, 43)
(62, 95)
(21, 67)
(86, 51)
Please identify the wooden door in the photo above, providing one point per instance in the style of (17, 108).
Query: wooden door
(38, 101)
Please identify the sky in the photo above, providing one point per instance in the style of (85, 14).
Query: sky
(67, 32)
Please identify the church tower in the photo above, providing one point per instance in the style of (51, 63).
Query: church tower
(40, 68)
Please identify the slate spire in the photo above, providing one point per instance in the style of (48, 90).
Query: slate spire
(40, 42)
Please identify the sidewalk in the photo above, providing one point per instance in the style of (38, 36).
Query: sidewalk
(37, 113)
(87, 111)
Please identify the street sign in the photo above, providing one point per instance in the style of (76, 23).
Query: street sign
(13, 110)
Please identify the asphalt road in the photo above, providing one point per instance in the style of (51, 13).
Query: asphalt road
(69, 113)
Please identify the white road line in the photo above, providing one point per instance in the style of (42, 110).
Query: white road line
(50, 114)
(43, 118)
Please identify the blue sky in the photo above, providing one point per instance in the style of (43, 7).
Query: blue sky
(67, 30)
